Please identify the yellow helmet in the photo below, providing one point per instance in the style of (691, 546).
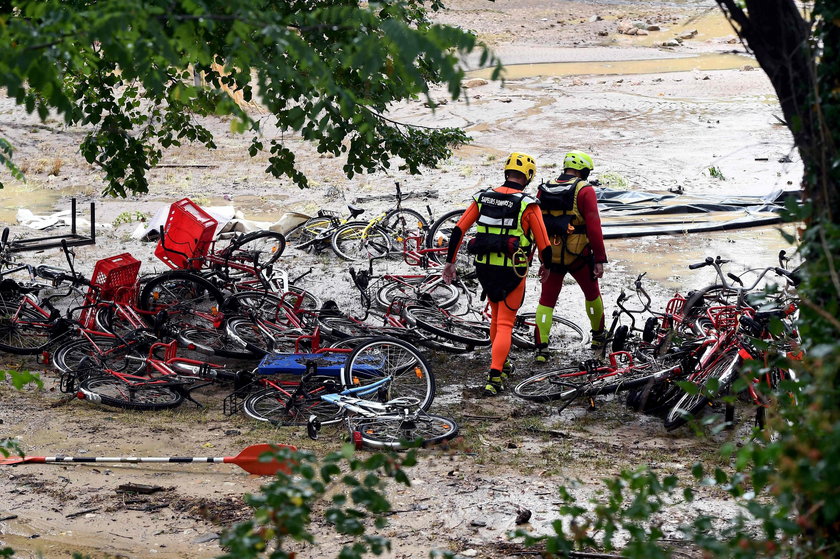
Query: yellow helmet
(523, 163)
(578, 160)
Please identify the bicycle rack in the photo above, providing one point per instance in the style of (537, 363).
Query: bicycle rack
(73, 239)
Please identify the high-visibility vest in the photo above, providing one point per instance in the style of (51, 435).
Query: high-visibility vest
(564, 223)
(499, 224)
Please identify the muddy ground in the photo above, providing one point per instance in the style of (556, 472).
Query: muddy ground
(654, 118)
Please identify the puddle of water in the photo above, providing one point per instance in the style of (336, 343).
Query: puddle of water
(666, 258)
(16, 196)
(255, 207)
(710, 25)
(623, 67)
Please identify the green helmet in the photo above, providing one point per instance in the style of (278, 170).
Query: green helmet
(578, 160)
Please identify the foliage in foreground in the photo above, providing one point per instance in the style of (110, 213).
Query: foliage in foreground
(327, 70)
(284, 508)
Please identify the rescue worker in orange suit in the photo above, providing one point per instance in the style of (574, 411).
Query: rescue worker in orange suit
(508, 224)
(570, 213)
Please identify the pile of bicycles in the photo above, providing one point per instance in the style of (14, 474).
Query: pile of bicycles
(227, 312)
(124, 340)
(679, 362)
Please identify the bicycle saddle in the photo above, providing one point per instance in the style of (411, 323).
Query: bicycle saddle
(769, 310)
(355, 211)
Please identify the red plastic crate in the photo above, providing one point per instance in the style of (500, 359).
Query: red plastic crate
(724, 318)
(187, 236)
(115, 277)
(115, 272)
(675, 306)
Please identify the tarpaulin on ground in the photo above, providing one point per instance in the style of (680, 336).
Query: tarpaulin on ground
(638, 214)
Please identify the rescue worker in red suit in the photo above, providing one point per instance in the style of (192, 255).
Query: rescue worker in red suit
(508, 224)
(570, 212)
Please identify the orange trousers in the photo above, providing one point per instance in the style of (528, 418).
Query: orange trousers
(502, 317)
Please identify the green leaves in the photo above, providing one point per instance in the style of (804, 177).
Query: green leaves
(328, 70)
(19, 379)
(6, 151)
(284, 508)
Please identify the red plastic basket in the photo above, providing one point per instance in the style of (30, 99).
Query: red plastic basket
(724, 318)
(115, 279)
(187, 236)
(675, 306)
(115, 272)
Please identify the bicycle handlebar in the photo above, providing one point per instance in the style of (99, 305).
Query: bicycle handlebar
(708, 262)
(791, 275)
(735, 278)
(716, 263)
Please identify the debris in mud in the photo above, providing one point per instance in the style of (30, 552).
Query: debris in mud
(523, 516)
(221, 512)
(139, 488)
(206, 538)
(81, 512)
(475, 82)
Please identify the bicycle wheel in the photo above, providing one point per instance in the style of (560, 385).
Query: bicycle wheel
(724, 369)
(109, 352)
(214, 341)
(438, 238)
(339, 327)
(308, 300)
(376, 358)
(360, 241)
(402, 431)
(631, 378)
(259, 250)
(269, 338)
(561, 384)
(349, 343)
(303, 236)
(287, 407)
(451, 327)
(402, 223)
(143, 397)
(564, 332)
(425, 289)
(179, 292)
(246, 301)
(654, 398)
(24, 331)
(112, 320)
